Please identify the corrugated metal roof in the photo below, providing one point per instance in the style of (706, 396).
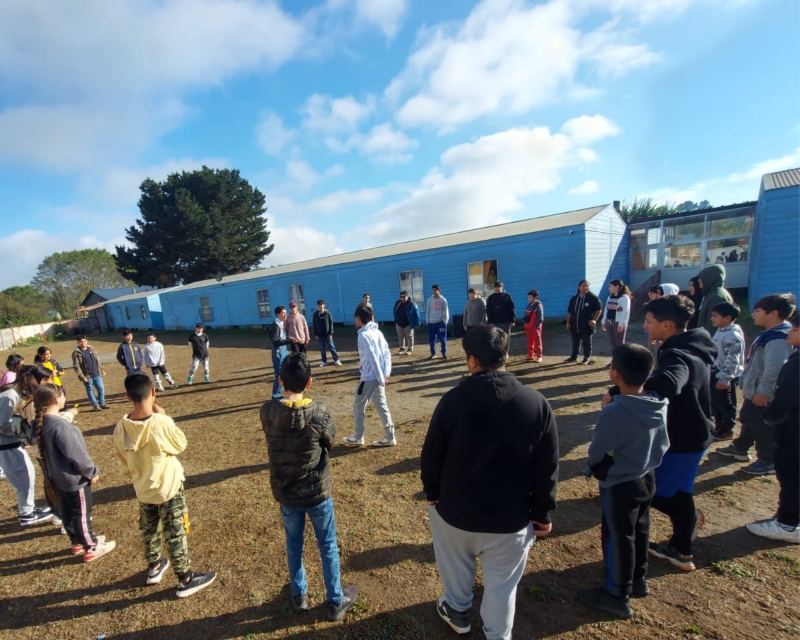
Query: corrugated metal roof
(522, 227)
(143, 294)
(782, 179)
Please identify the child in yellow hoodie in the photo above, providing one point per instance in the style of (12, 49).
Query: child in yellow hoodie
(147, 442)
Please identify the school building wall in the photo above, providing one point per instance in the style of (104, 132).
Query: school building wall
(607, 251)
(775, 266)
(551, 261)
(139, 313)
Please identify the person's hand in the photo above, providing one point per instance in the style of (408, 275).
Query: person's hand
(721, 386)
(592, 323)
(541, 529)
(94, 480)
(607, 400)
(330, 336)
(432, 502)
(27, 447)
(386, 380)
(73, 411)
(158, 409)
(603, 327)
(568, 327)
(316, 337)
(620, 329)
(465, 328)
(760, 400)
(513, 324)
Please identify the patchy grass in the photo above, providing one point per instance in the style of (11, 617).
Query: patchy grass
(730, 568)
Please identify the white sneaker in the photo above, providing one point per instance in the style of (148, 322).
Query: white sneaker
(338, 363)
(772, 530)
(323, 364)
(384, 442)
(402, 352)
(352, 441)
(539, 359)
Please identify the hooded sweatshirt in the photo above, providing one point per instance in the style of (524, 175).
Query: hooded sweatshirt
(714, 293)
(784, 409)
(683, 376)
(129, 355)
(300, 434)
(475, 312)
(764, 361)
(8, 400)
(633, 431)
(670, 289)
(69, 464)
(146, 451)
(490, 457)
(730, 353)
(375, 360)
(154, 354)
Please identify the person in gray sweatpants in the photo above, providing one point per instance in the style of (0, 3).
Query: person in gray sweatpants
(489, 473)
(375, 364)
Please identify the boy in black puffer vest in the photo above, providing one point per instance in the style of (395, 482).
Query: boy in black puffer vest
(300, 434)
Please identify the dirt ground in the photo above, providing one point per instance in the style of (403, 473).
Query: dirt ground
(745, 587)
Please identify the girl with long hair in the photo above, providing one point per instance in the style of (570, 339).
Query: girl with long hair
(617, 313)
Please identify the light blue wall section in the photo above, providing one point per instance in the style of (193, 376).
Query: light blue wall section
(775, 248)
(607, 250)
(551, 261)
(144, 312)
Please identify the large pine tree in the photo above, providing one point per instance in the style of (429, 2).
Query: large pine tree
(193, 226)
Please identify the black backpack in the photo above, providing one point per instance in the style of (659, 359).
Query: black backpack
(24, 430)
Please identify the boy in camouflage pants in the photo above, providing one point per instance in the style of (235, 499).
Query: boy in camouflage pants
(147, 442)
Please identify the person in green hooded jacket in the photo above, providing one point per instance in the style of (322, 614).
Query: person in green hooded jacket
(712, 281)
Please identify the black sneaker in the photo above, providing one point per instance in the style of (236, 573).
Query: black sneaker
(458, 620)
(104, 406)
(37, 516)
(640, 589)
(600, 599)
(197, 582)
(666, 552)
(154, 574)
(586, 361)
(336, 611)
(300, 603)
(572, 359)
(444, 356)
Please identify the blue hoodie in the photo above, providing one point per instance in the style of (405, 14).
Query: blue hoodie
(629, 439)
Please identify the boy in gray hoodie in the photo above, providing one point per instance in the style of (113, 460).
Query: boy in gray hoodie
(629, 440)
(728, 366)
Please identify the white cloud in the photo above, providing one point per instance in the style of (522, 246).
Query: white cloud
(26, 247)
(508, 56)
(479, 183)
(386, 14)
(335, 115)
(92, 80)
(757, 170)
(304, 176)
(587, 129)
(590, 186)
(383, 144)
(293, 244)
(273, 137)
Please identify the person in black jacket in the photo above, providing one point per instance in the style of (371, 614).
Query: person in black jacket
(300, 434)
(489, 472)
(323, 331)
(500, 310)
(129, 355)
(783, 413)
(682, 376)
(199, 343)
(582, 313)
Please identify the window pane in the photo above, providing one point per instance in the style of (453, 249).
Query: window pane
(727, 251)
(654, 235)
(411, 281)
(481, 276)
(643, 258)
(730, 226)
(682, 255)
(262, 300)
(296, 295)
(638, 238)
(144, 313)
(685, 229)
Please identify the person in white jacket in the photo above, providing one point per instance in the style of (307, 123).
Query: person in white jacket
(617, 313)
(375, 364)
(155, 358)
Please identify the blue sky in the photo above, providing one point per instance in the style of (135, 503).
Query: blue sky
(367, 122)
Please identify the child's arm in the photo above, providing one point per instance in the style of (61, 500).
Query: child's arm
(785, 401)
(174, 441)
(120, 355)
(122, 462)
(327, 432)
(77, 367)
(371, 360)
(539, 315)
(732, 352)
(433, 452)
(670, 377)
(73, 447)
(623, 311)
(775, 354)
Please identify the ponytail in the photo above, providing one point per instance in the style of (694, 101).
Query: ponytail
(622, 288)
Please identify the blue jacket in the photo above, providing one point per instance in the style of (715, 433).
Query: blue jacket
(407, 310)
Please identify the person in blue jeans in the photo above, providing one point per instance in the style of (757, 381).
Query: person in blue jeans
(86, 364)
(323, 331)
(278, 340)
(300, 434)
(436, 316)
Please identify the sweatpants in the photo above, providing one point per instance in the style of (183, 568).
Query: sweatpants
(168, 519)
(405, 337)
(615, 338)
(674, 486)
(625, 532)
(437, 331)
(161, 370)
(755, 431)
(582, 337)
(787, 470)
(76, 514)
(17, 465)
(534, 337)
(503, 559)
(723, 403)
(367, 390)
(195, 363)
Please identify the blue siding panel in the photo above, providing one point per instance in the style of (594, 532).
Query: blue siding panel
(550, 261)
(775, 252)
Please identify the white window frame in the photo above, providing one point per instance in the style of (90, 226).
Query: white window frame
(296, 295)
(206, 311)
(406, 279)
(485, 289)
(263, 304)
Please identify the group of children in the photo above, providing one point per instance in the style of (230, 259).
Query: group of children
(658, 422)
(656, 425)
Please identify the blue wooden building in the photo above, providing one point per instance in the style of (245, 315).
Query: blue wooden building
(550, 253)
(776, 237)
(137, 311)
